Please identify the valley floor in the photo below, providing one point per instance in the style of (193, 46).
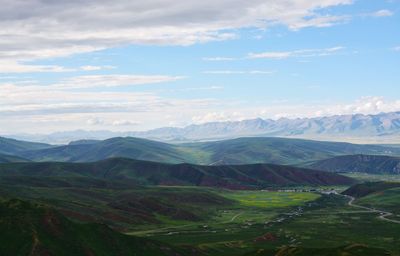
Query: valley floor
(327, 221)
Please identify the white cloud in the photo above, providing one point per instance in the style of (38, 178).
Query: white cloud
(319, 22)
(239, 72)
(397, 48)
(94, 81)
(283, 109)
(33, 30)
(96, 68)
(95, 121)
(7, 67)
(51, 108)
(32, 98)
(203, 88)
(297, 53)
(217, 117)
(219, 59)
(365, 105)
(54, 107)
(125, 123)
(381, 13)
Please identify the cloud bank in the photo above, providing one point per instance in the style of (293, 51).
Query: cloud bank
(38, 29)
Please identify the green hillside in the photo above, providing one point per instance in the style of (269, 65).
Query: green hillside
(31, 229)
(236, 151)
(133, 148)
(387, 200)
(282, 150)
(122, 208)
(350, 250)
(371, 164)
(256, 176)
(368, 188)
(384, 196)
(11, 159)
(16, 147)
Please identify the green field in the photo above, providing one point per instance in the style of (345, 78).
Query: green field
(327, 222)
(362, 177)
(208, 221)
(388, 200)
(264, 199)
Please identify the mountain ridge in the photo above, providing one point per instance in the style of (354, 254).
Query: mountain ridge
(250, 150)
(255, 176)
(373, 128)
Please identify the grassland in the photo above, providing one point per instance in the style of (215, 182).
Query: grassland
(363, 177)
(387, 200)
(37, 230)
(208, 221)
(230, 229)
(323, 225)
(266, 199)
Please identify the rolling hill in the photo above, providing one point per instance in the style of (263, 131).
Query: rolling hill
(32, 229)
(15, 147)
(11, 159)
(387, 200)
(254, 176)
(134, 148)
(372, 164)
(281, 150)
(236, 151)
(384, 196)
(368, 188)
(122, 208)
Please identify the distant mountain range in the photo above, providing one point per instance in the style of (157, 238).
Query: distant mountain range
(379, 128)
(250, 150)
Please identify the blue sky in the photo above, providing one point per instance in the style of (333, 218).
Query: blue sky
(137, 66)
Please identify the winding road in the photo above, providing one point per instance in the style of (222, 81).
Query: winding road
(383, 215)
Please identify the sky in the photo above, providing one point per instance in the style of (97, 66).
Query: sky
(136, 65)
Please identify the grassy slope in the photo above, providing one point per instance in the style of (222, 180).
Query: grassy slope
(360, 163)
(11, 159)
(368, 188)
(281, 150)
(121, 208)
(29, 229)
(134, 148)
(350, 250)
(150, 173)
(327, 226)
(236, 151)
(379, 195)
(15, 147)
(388, 200)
